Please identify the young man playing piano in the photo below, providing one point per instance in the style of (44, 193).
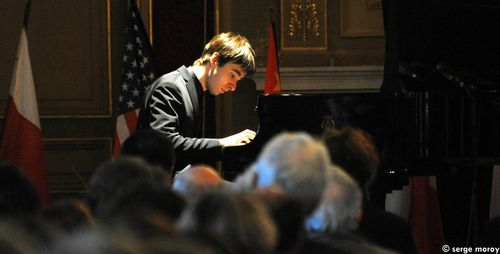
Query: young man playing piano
(173, 102)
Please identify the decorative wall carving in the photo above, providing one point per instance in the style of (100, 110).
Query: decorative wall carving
(303, 24)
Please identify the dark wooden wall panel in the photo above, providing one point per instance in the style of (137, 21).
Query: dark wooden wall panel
(71, 162)
(178, 32)
(70, 57)
(68, 43)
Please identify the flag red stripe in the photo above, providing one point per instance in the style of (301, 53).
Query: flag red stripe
(272, 84)
(117, 147)
(22, 145)
(425, 216)
(131, 119)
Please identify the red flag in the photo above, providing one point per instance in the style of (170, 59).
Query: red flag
(272, 84)
(137, 73)
(21, 142)
(425, 215)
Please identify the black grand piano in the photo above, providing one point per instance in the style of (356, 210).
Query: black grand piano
(437, 112)
(312, 113)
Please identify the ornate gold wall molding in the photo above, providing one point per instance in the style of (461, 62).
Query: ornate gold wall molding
(303, 24)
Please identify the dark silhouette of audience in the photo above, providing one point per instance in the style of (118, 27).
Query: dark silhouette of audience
(18, 196)
(238, 223)
(67, 216)
(336, 219)
(15, 239)
(152, 146)
(354, 151)
(145, 211)
(296, 164)
(292, 199)
(288, 216)
(113, 178)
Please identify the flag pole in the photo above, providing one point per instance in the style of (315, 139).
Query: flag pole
(27, 14)
(271, 13)
(271, 17)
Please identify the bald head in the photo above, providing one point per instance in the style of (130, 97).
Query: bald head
(204, 175)
(197, 180)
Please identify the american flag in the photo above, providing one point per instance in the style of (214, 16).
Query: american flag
(137, 73)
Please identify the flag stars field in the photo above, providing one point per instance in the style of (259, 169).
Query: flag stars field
(137, 73)
(130, 104)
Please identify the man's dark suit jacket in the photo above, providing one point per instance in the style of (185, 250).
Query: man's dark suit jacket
(172, 106)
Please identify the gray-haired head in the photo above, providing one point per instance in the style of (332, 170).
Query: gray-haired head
(340, 207)
(294, 162)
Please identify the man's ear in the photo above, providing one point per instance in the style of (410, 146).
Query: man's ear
(214, 57)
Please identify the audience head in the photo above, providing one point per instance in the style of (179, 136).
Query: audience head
(113, 178)
(18, 196)
(294, 162)
(197, 180)
(96, 241)
(145, 211)
(340, 208)
(68, 216)
(241, 222)
(16, 239)
(288, 216)
(102, 240)
(354, 151)
(152, 146)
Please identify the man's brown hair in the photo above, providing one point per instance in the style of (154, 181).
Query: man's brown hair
(232, 48)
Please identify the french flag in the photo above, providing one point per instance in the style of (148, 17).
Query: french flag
(21, 142)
